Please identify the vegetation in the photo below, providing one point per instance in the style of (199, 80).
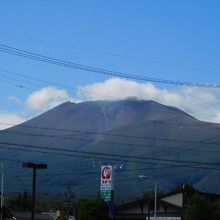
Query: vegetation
(201, 209)
(150, 194)
(92, 209)
(22, 202)
(184, 187)
(197, 206)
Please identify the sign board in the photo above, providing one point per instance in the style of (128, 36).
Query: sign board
(107, 177)
(107, 195)
(164, 218)
(106, 185)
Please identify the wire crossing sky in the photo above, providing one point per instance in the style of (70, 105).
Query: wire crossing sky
(72, 65)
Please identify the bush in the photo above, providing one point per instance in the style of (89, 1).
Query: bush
(92, 209)
(201, 209)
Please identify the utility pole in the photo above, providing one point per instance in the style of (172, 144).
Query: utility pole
(69, 196)
(68, 199)
(2, 185)
(2, 189)
(34, 166)
(155, 200)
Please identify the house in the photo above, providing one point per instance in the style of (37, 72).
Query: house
(169, 207)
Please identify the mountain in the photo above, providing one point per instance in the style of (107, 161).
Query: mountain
(152, 135)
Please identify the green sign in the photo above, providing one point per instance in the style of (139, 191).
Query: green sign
(107, 195)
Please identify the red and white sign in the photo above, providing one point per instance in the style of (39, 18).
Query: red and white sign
(106, 172)
(106, 177)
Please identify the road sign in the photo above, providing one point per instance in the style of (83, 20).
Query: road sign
(106, 185)
(107, 195)
(107, 177)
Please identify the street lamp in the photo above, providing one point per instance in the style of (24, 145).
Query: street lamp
(143, 177)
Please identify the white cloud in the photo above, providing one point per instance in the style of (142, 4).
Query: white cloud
(46, 98)
(202, 103)
(14, 99)
(116, 89)
(36, 103)
(8, 119)
(195, 101)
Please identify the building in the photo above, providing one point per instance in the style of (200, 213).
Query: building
(169, 207)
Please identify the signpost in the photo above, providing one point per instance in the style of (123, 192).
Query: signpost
(107, 186)
(164, 218)
(34, 166)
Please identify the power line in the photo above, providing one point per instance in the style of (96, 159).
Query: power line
(32, 81)
(130, 136)
(104, 133)
(192, 124)
(29, 80)
(59, 62)
(121, 143)
(91, 132)
(12, 83)
(41, 82)
(99, 155)
(105, 53)
(98, 173)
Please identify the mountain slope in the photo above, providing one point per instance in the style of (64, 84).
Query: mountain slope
(132, 128)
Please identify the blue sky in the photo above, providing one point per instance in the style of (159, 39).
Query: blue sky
(177, 40)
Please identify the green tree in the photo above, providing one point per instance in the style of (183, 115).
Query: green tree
(184, 187)
(20, 203)
(201, 209)
(150, 194)
(92, 209)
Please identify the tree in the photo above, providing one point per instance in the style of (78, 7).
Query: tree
(20, 203)
(150, 194)
(184, 187)
(201, 209)
(92, 209)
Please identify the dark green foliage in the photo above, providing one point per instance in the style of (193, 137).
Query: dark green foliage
(20, 203)
(184, 187)
(150, 194)
(62, 217)
(201, 209)
(92, 209)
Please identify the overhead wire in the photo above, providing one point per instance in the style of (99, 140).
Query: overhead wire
(104, 53)
(99, 69)
(98, 155)
(122, 143)
(129, 136)
(59, 62)
(203, 85)
(38, 83)
(109, 133)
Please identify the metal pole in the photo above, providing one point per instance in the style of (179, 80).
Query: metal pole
(33, 193)
(148, 208)
(2, 190)
(2, 186)
(68, 199)
(34, 166)
(155, 200)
